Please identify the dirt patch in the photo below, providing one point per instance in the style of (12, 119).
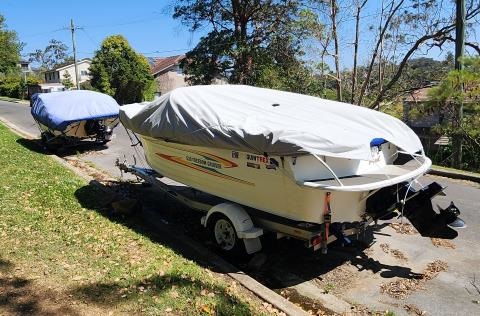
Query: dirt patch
(310, 306)
(401, 288)
(84, 167)
(404, 228)
(23, 296)
(442, 243)
(414, 310)
(337, 280)
(394, 252)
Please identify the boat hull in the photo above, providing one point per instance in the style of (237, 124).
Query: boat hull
(260, 182)
(79, 130)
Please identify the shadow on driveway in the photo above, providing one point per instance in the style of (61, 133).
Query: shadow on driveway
(167, 222)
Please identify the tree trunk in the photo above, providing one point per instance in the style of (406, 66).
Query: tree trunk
(375, 51)
(333, 7)
(355, 53)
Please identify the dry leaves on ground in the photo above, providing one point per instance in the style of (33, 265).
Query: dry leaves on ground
(401, 288)
(394, 252)
(413, 309)
(404, 228)
(443, 243)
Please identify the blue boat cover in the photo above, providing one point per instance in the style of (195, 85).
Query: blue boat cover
(57, 110)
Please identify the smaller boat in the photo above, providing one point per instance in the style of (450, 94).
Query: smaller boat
(66, 118)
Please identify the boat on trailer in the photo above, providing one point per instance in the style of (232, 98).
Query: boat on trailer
(278, 157)
(66, 118)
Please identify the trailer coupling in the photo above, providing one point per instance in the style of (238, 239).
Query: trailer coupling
(416, 206)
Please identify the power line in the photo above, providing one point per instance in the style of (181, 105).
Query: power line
(94, 42)
(137, 21)
(46, 32)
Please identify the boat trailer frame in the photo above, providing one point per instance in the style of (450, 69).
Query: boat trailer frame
(313, 235)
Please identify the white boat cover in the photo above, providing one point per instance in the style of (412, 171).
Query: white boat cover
(260, 121)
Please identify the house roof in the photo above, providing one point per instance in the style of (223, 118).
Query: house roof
(86, 60)
(418, 95)
(163, 63)
(50, 85)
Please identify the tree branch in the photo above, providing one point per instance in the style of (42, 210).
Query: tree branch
(403, 63)
(375, 51)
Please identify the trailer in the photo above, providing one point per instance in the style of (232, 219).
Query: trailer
(236, 229)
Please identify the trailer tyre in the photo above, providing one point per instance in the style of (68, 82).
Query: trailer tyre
(44, 139)
(224, 236)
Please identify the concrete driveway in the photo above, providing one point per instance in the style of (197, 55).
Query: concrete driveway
(356, 276)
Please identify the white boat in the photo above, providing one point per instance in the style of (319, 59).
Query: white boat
(291, 185)
(297, 157)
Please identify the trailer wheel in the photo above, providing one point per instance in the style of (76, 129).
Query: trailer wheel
(45, 141)
(224, 235)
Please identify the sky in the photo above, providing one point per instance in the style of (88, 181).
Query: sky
(148, 26)
(145, 23)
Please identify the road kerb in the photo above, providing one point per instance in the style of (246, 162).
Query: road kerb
(459, 175)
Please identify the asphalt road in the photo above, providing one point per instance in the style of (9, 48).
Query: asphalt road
(102, 157)
(355, 276)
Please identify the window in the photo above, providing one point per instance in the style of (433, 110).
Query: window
(49, 76)
(179, 70)
(83, 73)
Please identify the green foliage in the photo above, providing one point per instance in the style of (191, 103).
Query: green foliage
(67, 80)
(54, 55)
(250, 43)
(10, 48)
(421, 72)
(14, 86)
(461, 87)
(11, 86)
(119, 71)
(86, 85)
(207, 60)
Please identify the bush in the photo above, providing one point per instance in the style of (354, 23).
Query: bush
(14, 86)
(11, 86)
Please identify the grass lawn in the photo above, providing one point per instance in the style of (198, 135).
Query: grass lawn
(61, 256)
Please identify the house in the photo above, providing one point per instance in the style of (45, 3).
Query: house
(58, 75)
(168, 73)
(24, 66)
(421, 116)
(45, 88)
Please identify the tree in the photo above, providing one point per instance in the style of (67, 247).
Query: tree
(243, 33)
(119, 71)
(67, 80)
(10, 48)
(52, 56)
(423, 24)
(358, 9)
(333, 18)
(461, 87)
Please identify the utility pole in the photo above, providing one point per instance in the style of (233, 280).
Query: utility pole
(459, 52)
(72, 28)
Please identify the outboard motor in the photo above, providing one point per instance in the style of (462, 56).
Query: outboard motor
(417, 208)
(450, 215)
(97, 127)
